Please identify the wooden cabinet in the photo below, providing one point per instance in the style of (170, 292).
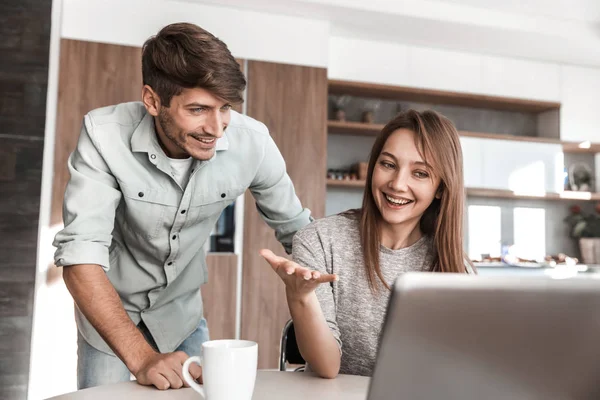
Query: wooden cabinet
(384, 63)
(292, 102)
(361, 60)
(444, 70)
(580, 111)
(219, 295)
(520, 79)
(92, 75)
(522, 167)
(472, 149)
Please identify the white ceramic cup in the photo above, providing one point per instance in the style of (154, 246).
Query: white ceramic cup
(228, 369)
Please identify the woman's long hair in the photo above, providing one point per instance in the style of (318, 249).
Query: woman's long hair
(438, 144)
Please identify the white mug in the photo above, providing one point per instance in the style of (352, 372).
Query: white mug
(228, 369)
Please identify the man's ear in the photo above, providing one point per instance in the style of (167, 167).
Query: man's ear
(151, 100)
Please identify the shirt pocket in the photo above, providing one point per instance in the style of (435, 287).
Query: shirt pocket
(146, 209)
(211, 205)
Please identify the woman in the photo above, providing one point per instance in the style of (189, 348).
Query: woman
(411, 219)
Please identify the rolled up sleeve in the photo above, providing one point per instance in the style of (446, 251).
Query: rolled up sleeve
(89, 207)
(276, 198)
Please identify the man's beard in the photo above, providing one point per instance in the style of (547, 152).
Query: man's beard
(168, 128)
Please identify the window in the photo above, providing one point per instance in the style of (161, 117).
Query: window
(484, 231)
(530, 233)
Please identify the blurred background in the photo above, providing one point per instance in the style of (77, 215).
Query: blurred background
(520, 79)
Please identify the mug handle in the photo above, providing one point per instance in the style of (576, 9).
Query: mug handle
(188, 378)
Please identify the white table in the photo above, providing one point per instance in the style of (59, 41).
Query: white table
(270, 385)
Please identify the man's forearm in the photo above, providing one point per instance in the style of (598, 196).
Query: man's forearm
(100, 304)
(315, 340)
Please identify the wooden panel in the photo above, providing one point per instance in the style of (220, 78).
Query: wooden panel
(219, 295)
(292, 102)
(91, 75)
(438, 96)
(241, 62)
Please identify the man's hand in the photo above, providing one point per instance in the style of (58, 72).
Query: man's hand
(299, 281)
(165, 371)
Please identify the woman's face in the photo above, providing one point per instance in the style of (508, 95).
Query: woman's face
(403, 185)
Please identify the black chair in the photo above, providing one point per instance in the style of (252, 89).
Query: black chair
(289, 352)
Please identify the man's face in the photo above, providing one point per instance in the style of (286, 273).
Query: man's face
(192, 123)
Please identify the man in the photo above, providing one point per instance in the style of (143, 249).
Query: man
(148, 181)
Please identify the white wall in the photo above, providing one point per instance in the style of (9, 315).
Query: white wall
(248, 34)
(563, 31)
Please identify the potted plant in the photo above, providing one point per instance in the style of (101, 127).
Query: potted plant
(586, 229)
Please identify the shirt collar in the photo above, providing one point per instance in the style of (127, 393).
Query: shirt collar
(222, 142)
(144, 136)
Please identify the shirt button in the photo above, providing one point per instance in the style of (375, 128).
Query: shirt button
(153, 156)
(183, 211)
(222, 195)
(141, 194)
(170, 263)
(174, 237)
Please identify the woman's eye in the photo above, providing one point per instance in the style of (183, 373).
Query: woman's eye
(421, 174)
(387, 164)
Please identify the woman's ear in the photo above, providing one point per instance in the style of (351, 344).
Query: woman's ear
(438, 193)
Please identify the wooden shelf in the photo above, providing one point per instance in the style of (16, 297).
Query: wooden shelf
(494, 193)
(509, 194)
(436, 97)
(354, 128)
(346, 183)
(500, 136)
(581, 147)
(363, 129)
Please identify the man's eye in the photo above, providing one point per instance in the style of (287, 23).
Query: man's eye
(226, 107)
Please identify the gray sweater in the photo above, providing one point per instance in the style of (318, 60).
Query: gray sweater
(353, 312)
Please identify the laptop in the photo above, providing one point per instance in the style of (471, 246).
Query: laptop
(463, 337)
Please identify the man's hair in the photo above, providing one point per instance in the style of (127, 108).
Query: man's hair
(184, 55)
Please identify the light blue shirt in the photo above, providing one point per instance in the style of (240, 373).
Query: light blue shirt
(124, 211)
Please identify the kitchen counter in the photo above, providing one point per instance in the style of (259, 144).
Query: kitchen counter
(560, 272)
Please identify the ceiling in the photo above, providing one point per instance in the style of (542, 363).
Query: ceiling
(562, 31)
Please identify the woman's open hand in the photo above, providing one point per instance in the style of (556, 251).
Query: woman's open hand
(299, 281)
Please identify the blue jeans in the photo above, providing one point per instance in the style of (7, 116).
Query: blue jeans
(95, 368)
